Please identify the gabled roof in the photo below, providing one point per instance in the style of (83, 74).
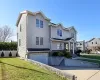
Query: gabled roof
(32, 13)
(91, 39)
(72, 27)
(59, 24)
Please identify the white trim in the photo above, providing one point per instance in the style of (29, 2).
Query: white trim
(32, 13)
(73, 47)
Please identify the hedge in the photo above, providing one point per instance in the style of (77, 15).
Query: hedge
(8, 45)
(64, 53)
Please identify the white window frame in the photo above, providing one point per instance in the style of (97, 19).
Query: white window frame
(41, 24)
(59, 32)
(41, 40)
(37, 23)
(37, 40)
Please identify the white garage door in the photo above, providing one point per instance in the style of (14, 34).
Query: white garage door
(41, 57)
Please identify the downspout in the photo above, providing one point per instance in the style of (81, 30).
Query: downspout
(50, 39)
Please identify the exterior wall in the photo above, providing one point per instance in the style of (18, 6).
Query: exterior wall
(33, 32)
(22, 36)
(54, 45)
(6, 53)
(41, 57)
(72, 31)
(65, 33)
(55, 60)
(94, 42)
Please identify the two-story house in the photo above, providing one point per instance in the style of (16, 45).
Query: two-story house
(93, 44)
(38, 37)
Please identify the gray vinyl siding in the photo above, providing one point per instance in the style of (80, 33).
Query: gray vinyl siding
(33, 32)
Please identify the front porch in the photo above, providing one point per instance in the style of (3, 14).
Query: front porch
(68, 43)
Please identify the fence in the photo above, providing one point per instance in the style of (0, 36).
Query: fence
(8, 53)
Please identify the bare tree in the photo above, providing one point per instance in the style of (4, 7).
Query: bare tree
(5, 33)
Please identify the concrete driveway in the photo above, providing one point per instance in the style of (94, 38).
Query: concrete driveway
(82, 73)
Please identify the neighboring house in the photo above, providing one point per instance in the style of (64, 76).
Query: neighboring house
(93, 44)
(38, 37)
(81, 45)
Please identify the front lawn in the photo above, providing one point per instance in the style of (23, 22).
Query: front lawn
(16, 69)
(95, 58)
(92, 56)
(90, 60)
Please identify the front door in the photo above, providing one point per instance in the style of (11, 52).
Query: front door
(66, 46)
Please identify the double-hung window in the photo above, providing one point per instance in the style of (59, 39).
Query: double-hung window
(41, 24)
(59, 32)
(37, 22)
(41, 40)
(37, 40)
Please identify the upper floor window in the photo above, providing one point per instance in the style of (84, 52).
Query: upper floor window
(37, 23)
(41, 24)
(59, 32)
(20, 27)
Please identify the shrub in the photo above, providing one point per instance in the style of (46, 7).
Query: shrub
(2, 54)
(63, 53)
(55, 54)
(59, 53)
(10, 54)
(67, 54)
(78, 52)
(88, 51)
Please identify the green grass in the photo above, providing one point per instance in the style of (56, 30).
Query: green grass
(16, 69)
(94, 61)
(92, 56)
(95, 58)
(0, 73)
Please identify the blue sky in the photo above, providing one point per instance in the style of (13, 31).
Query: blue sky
(83, 14)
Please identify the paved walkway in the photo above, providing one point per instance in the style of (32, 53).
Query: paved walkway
(82, 73)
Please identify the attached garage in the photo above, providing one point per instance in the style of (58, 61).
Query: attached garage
(40, 57)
